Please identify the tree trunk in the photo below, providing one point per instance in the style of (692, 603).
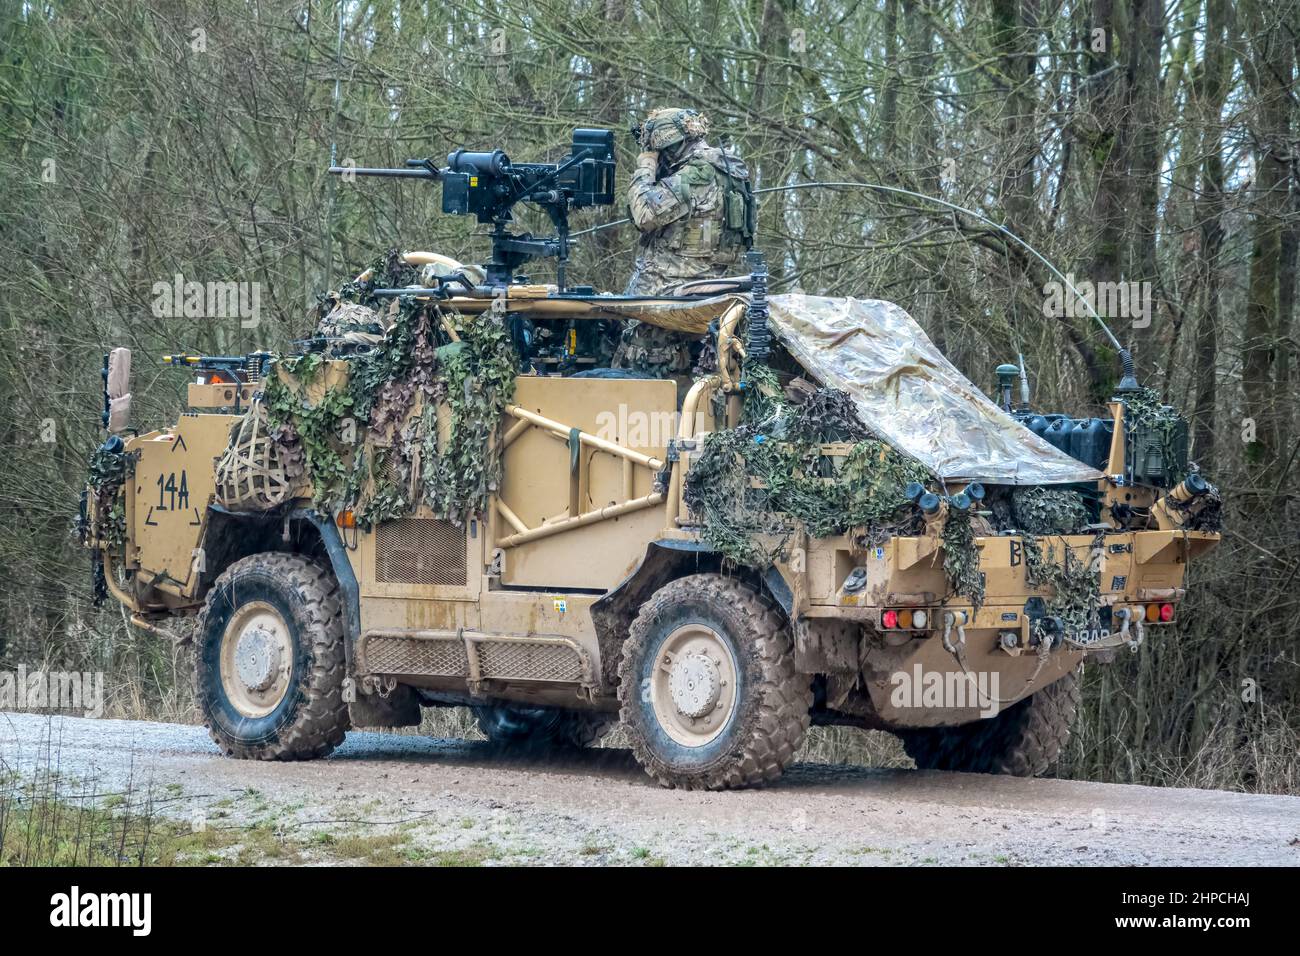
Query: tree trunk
(1213, 88)
(1270, 128)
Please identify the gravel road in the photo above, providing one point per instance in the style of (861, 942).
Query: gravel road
(467, 801)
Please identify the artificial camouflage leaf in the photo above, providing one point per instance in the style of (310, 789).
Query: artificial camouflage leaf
(1075, 584)
(1047, 510)
(961, 558)
(777, 448)
(478, 374)
(109, 468)
(1143, 410)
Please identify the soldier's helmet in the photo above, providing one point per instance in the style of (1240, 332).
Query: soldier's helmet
(666, 127)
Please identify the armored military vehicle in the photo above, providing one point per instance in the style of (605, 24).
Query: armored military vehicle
(444, 498)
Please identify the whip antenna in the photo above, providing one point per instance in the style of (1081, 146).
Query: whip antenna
(1127, 382)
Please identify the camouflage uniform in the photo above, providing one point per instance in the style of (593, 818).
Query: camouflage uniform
(682, 217)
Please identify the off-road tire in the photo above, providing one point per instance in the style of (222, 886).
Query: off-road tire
(312, 719)
(773, 700)
(1025, 740)
(510, 725)
(581, 729)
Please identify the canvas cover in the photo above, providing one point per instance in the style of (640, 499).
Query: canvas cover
(913, 397)
(905, 390)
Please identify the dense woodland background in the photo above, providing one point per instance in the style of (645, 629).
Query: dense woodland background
(1143, 140)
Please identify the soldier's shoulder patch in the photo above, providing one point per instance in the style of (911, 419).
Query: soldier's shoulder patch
(659, 200)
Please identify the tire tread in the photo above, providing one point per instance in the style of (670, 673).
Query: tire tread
(1025, 740)
(322, 720)
(784, 696)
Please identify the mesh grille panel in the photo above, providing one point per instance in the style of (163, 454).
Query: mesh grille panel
(420, 551)
(524, 661)
(447, 657)
(395, 470)
(406, 655)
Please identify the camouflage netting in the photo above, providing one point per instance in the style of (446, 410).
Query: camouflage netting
(374, 443)
(412, 422)
(1144, 408)
(1075, 582)
(748, 485)
(909, 393)
(1040, 510)
(109, 467)
(1046, 513)
(961, 558)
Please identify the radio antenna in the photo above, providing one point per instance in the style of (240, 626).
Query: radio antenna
(1127, 382)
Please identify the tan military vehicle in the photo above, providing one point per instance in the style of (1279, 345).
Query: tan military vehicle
(830, 525)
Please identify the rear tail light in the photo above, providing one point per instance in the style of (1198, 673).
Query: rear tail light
(1153, 613)
(904, 619)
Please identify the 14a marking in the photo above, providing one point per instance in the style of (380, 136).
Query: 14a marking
(173, 495)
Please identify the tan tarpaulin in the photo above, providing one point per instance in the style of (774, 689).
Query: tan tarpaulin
(904, 388)
(913, 397)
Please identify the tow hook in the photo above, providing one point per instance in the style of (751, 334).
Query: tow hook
(1133, 640)
(1136, 642)
(951, 619)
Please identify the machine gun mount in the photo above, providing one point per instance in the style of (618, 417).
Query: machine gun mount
(488, 185)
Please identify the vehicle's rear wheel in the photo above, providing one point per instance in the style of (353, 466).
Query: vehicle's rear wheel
(1025, 740)
(517, 725)
(709, 692)
(270, 664)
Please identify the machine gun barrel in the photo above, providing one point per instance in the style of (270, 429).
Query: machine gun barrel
(252, 366)
(420, 172)
(213, 361)
(206, 361)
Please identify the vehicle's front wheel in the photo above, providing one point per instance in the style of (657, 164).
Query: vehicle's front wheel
(1024, 740)
(270, 660)
(709, 692)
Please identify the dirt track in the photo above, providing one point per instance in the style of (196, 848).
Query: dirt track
(596, 806)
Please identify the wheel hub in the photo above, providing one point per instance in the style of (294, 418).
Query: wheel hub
(695, 684)
(257, 658)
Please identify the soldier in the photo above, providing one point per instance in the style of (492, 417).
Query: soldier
(694, 208)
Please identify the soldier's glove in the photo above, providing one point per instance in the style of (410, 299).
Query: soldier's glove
(648, 160)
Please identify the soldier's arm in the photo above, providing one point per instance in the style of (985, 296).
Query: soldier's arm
(654, 205)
